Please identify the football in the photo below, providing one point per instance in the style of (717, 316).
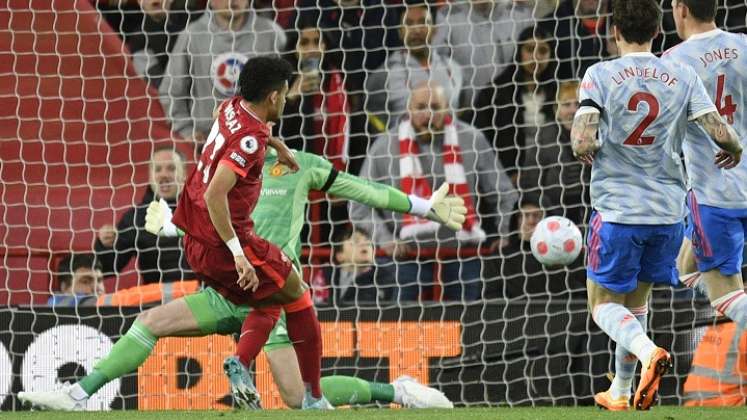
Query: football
(556, 241)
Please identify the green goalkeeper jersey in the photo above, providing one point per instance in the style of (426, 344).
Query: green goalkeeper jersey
(280, 213)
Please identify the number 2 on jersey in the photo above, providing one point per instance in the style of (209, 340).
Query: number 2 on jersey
(636, 138)
(205, 162)
(729, 108)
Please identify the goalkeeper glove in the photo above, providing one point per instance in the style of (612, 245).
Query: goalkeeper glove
(440, 208)
(158, 219)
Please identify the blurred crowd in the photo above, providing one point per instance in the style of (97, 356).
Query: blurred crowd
(499, 76)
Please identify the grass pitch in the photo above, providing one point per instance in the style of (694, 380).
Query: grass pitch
(560, 413)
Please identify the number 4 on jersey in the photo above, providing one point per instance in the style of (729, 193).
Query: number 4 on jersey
(729, 108)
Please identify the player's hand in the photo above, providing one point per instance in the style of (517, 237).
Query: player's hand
(447, 210)
(586, 158)
(154, 218)
(107, 235)
(285, 154)
(726, 160)
(247, 276)
(587, 152)
(158, 219)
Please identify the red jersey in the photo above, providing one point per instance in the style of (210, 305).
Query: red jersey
(238, 139)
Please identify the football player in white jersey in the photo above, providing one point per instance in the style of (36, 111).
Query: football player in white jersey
(641, 106)
(713, 249)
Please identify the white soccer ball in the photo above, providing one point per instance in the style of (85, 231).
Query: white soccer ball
(556, 241)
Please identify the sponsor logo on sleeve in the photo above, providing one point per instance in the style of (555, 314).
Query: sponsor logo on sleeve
(249, 145)
(238, 159)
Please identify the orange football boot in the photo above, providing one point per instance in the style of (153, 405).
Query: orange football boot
(605, 400)
(645, 395)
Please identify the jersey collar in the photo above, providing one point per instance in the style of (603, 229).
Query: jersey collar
(640, 54)
(708, 34)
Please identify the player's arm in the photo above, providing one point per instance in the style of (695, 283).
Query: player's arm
(584, 134)
(724, 136)
(285, 154)
(440, 208)
(216, 199)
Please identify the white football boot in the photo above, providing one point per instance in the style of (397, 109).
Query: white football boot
(411, 394)
(59, 400)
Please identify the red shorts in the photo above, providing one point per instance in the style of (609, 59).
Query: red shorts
(216, 267)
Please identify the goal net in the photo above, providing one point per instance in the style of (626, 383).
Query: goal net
(102, 103)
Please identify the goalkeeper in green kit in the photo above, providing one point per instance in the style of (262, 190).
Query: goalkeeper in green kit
(279, 218)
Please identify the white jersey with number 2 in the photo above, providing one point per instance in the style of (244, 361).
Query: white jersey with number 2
(645, 104)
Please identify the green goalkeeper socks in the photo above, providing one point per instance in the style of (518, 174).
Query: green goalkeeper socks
(346, 390)
(127, 355)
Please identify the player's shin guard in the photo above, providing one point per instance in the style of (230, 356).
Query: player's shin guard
(306, 335)
(733, 305)
(127, 355)
(625, 362)
(255, 331)
(621, 326)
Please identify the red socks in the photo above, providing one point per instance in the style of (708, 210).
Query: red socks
(306, 335)
(255, 331)
(303, 330)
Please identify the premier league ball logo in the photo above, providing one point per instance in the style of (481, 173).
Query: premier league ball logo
(225, 71)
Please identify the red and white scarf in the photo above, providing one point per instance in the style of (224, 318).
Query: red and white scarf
(334, 124)
(413, 182)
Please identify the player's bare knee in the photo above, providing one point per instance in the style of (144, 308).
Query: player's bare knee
(149, 319)
(719, 285)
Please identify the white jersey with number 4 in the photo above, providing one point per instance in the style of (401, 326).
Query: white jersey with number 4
(645, 104)
(720, 59)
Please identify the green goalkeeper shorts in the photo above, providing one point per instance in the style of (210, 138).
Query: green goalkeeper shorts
(217, 315)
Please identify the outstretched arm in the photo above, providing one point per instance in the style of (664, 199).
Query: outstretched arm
(447, 210)
(725, 137)
(584, 134)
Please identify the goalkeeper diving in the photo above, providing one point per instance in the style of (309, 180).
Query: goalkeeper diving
(279, 218)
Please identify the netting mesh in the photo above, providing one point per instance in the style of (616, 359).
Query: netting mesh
(101, 102)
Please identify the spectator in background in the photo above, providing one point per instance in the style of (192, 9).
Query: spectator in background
(480, 35)
(207, 59)
(354, 278)
(549, 168)
(521, 99)
(159, 258)
(358, 34)
(317, 109)
(317, 112)
(390, 85)
(156, 36)
(427, 148)
(580, 28)
(359, 31)
(80, 280)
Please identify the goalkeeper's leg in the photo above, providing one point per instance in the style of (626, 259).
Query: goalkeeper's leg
(342, 390)
(194, 315)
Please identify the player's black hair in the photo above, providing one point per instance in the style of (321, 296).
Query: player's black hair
(702, 10)
(72, 262)
(637, 20)
(262, 75)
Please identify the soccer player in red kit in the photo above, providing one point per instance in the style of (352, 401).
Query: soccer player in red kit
(220, 244)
